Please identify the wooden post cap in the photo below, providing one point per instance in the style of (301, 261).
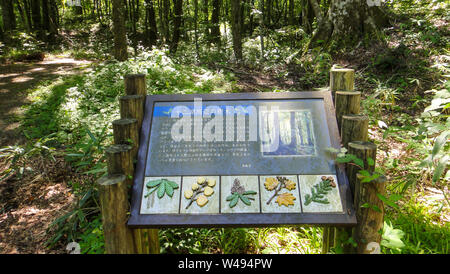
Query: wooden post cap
(342, 79)
(111, 179)
(362, 145)
(354, 127)
(135, 84)
(119, 159)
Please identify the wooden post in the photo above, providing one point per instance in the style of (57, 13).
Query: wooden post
(342, 79)
(132, 106)
(126, 132)
(327, 239)
(354, 127)
(371, 216)
(113, 194)
(346, 102)
(120, 161)
(135, 84)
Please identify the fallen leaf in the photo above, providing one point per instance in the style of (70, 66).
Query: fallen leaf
(285, 199)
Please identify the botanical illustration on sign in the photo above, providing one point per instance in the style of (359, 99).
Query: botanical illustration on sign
(319, 190)
(162, 186)
(200, 191)
(238, 193)
(277, 184)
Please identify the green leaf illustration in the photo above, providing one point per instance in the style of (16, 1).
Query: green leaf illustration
(229, 198)
(318, 192)
(234, 201)
(245, 200)
(154, 183)
(161, 190)
(168, 188)
(162, 186)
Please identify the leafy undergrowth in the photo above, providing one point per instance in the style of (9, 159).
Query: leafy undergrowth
(403, 80)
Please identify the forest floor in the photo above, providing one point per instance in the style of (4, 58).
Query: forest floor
(30, 204)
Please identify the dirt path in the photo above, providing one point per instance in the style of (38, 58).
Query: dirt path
(30, 204)
(16, 80)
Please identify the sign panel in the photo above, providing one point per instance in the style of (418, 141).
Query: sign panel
(239, 160)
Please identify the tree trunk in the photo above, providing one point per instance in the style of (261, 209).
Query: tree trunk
(178, 12)
(150, 24)
(37, 18)
(236, 29)
(215, 28)
(165, 19)
(9, 18)
(27, 10)
(307, 16)
(120, 36)
(206, 14)
(347, 21)
(54, 17)
(291, 12)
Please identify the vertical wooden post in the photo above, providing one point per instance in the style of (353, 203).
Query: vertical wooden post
(125, 132)
(132, 106)
(135, 84)
(346, 102)
(113, 194)
(328, 239)
(354, 128)
(370, 217)
(342, 79)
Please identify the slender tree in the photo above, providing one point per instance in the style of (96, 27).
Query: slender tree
(9, 18)
(291, 15)
(150, 24)
(120, 36)
(178, 13)
(215, 24)
(236, 29)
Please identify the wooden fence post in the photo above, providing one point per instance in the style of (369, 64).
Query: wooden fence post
(369, 207)
(132, 106)
(354, 128)
(346, 102)
(113, 194)
(342, 79)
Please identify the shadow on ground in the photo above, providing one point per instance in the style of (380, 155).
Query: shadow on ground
(16, 80)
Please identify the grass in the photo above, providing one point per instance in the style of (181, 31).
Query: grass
(278, 240)
(424, 231)
(79, 107)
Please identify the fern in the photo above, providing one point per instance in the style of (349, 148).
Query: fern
(318, 192)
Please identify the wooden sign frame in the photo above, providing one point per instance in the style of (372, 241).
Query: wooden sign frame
(345, 218)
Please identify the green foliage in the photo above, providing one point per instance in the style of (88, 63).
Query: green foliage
(92, 240)
(16, 157)
(392, 238)
(421, 233)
